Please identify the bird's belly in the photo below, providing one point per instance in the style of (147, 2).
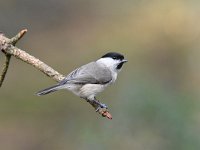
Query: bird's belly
(91, 90)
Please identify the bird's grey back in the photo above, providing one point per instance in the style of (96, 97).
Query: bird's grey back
(91, 73)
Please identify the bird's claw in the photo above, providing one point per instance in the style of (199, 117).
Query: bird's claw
(102, 109)
(101, 106)
(97, 109)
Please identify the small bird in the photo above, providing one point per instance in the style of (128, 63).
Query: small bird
(90, 79)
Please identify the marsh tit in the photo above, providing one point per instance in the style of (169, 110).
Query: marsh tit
(92, 78)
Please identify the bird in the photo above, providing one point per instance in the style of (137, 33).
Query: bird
(92, 78)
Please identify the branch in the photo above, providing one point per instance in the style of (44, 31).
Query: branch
(7, 46)
(5, 69)
(17, 37)
(13, 41)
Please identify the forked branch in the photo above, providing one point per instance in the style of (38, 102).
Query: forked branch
(7, 46)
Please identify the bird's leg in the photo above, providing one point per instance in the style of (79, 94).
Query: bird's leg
(100, 105)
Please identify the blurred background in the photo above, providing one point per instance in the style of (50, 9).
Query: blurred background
(155, 101)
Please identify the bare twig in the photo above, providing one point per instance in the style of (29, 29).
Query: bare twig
(38, 64)
(7, 46)
(5, 69)
(12, 41)
(3, 45)
(17, 37)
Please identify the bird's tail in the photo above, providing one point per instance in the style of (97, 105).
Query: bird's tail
(48, 90)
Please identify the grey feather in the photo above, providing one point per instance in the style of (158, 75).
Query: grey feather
(48, 90)
(91, 73)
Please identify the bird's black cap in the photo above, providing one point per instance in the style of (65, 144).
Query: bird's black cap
(114, 55)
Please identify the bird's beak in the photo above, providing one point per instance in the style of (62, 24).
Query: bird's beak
(124, 61)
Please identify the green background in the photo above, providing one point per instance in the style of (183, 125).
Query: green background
(155, 101)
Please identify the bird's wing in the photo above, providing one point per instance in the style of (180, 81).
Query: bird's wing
(91, 73)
